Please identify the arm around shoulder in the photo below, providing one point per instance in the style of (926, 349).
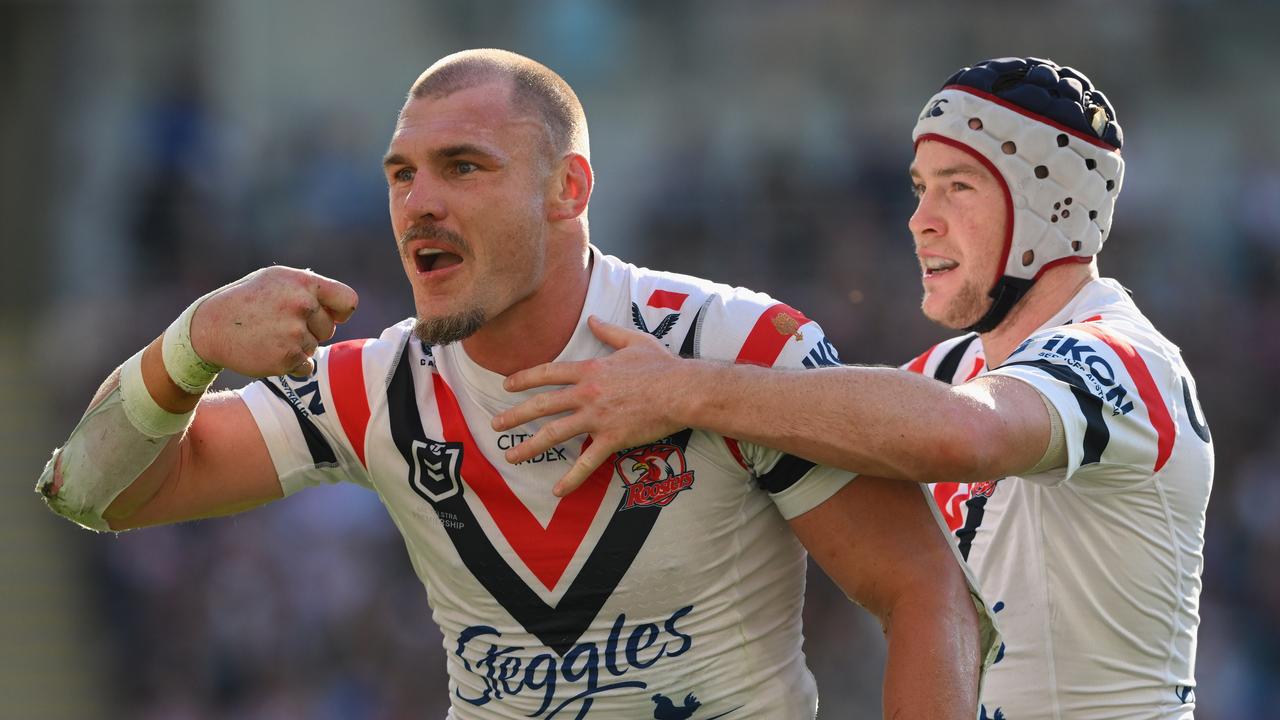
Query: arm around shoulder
(874, 420)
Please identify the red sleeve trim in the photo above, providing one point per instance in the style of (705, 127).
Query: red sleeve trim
(1157, 411)
(773, 329)
(350, 399)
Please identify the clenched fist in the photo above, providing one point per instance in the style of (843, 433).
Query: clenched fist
(270, 321)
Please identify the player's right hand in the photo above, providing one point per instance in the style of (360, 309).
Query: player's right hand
(270, 321)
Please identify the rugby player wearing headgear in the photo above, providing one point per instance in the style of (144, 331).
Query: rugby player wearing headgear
(672, 583)
(1071, 457)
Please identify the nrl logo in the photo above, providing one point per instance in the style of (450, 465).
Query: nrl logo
(653, 475)
(435, 469)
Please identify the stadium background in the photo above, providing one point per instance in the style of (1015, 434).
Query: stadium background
(154, 150)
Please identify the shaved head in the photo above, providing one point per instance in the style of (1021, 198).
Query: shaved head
(535, 89)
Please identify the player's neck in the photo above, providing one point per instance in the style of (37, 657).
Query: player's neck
(536, 329)
(1050, 294)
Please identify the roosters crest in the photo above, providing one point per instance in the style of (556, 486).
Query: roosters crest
(652, 475)
(983, 489)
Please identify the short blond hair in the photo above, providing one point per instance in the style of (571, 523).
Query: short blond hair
(534, 88)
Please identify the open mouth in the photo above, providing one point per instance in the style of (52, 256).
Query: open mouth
(935, 266)
(435, 259)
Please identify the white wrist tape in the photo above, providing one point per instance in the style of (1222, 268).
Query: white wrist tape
(188, 370)
(141, 409)
(112, 445)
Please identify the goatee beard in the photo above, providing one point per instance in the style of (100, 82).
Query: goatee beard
(450, 328)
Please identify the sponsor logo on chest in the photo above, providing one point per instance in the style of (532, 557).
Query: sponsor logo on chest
(588, 668)
(506, 441)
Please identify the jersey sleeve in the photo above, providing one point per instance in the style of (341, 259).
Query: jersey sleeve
(1113, 396)
(308, 423)
(751, 328)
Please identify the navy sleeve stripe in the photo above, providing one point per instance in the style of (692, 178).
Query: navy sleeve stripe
(322, 454)
(785, 473)
(688, 349)
(946, 371)
(1096, 434)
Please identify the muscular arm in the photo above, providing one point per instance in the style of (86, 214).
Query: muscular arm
(135, 461)
(880, 421)
(877, 421)
(218, 467)
(897, 564)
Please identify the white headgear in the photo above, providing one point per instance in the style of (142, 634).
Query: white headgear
(1052, 142)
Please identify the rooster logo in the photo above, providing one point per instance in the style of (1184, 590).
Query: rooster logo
(667, 710)
(653, 475)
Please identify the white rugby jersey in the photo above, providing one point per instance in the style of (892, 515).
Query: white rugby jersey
(1093, 570)
(669, 586)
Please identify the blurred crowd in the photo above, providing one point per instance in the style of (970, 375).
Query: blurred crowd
(309, 608)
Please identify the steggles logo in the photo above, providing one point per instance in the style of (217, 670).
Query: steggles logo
(653, 475)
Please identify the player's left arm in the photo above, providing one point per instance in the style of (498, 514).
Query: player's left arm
(878, 540)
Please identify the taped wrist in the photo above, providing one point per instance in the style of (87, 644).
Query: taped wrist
(188, 370)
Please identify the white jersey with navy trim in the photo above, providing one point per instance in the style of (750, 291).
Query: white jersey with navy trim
(1093, 569)
(669, 582)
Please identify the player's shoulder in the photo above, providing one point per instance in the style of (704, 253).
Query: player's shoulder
(376, 351)
(726, 322)
(677, 291)
(953, 360)
(1122, 380)
(364, 366)
(1110, 330)
(1111, 355)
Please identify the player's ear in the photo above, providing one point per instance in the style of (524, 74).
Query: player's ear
(571, 188)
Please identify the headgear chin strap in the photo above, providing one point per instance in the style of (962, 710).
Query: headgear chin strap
(1053, 143)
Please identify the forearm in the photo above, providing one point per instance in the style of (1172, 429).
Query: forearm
(934, 660)
(878, 539)
(124, 448)
(877, 421)
(172, 399)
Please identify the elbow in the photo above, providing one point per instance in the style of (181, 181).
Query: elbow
(51, 487)
(968, 450)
